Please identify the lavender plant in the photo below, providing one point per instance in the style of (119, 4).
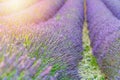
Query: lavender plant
(104, 30)
(49, 50)
(113, 5)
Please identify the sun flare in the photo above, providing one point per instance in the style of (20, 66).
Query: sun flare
(16, 4)
(11, 6)
(22, 12)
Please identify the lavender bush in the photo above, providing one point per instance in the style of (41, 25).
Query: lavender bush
(114, 6)
(104, 31)
(49, 50)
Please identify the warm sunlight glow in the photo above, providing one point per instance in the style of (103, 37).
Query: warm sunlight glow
(12, 6)
(22, 12)
(18, 4)
(15, 4)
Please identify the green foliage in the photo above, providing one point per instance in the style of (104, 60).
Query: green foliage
(56, 67)
(11, 74)
(27, 41)
(88, 67)
(58, 17)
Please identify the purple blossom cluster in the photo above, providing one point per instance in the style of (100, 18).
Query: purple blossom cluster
(114, 6)
(104, 31)
(29, 52)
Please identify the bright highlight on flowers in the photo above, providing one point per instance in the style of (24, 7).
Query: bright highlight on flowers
(12, 6)
(22, 12)
(16, 4)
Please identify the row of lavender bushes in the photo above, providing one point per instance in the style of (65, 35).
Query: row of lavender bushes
(114, 6)
(104, 31)
(49, 50)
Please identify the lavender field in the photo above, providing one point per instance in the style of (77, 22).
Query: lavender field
(59, 40)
